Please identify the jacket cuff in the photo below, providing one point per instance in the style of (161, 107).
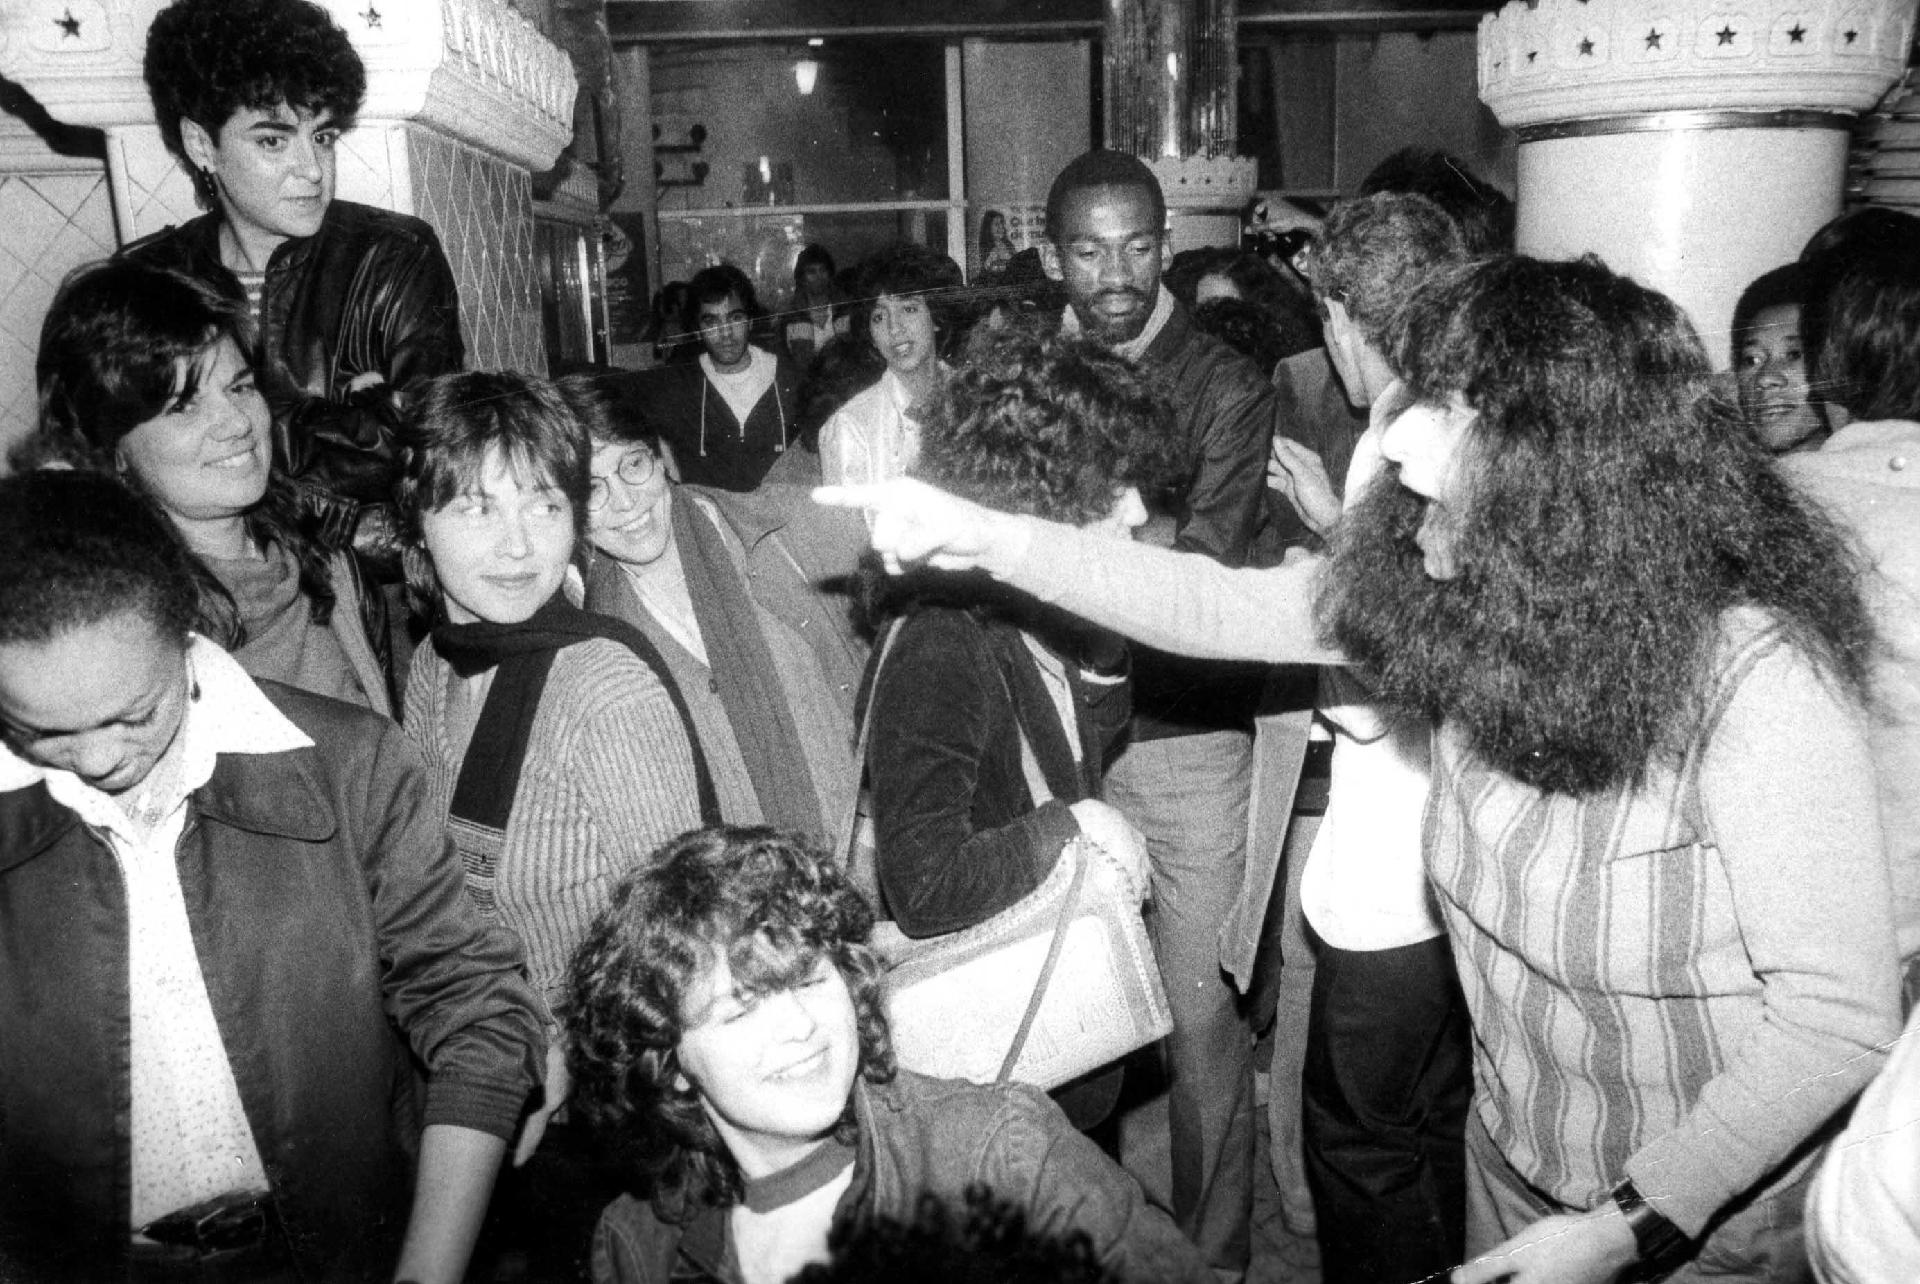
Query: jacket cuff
(484, 1106)
(1054, 828)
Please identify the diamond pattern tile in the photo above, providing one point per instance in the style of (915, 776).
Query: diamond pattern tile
(159, 194)
(49, 225)
(364, 169)
(483, 211)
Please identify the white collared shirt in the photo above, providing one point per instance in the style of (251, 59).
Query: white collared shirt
(190, 1135)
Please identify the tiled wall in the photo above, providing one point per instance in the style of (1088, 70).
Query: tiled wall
(49, 225)
(483, 210)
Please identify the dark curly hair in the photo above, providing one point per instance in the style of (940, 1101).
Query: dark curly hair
(911, 270)
(993, 1243)
(1614, 513)
(1049, 426)
(77, 548)
(453, 423)
(1375, 250)
(207, 59)
(774, 905)
(123, 343)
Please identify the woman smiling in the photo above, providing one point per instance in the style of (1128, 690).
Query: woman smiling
(733, 590)
(554, 745)
(149, 374)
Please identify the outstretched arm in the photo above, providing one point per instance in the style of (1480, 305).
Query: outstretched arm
(1179, 602)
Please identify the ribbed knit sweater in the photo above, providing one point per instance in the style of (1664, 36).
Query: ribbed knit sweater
(1683, 981)
(607, 778)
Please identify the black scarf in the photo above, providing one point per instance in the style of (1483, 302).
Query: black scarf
(524, 653)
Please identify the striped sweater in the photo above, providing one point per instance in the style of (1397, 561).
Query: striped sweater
(1681, 982)
(608, 777)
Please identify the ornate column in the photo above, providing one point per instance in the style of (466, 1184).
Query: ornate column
(1692, 144)
(465, 99)
(1169, 77)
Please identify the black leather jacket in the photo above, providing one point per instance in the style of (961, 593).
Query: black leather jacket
(370, 293)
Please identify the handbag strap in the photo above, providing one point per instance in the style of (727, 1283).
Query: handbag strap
(850, 824)
(1067, 907)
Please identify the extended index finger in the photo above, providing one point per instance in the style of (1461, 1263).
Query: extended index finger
(858, 496)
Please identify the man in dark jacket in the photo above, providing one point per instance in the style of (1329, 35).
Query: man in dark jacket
(230, 935)
(1186, 778)
(730, 415)
(354, 303)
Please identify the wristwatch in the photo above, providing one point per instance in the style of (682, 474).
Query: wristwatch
(1658, 1240)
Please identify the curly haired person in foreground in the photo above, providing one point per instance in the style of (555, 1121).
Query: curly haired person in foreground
(729, 1040)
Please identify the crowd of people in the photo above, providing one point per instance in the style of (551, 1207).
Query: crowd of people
(445, 815)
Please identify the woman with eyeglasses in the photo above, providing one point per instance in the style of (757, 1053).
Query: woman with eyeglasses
(737, 593)
(557, 748)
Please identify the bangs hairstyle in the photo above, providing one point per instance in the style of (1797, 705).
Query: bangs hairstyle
(124, 343)
(1613, 512)
(1048, 426)
(1782, 287)
(112, 353)
(207, 59)
(773, 906)
(77, 548)
(455, 423)
(605, 404)
(910, 271)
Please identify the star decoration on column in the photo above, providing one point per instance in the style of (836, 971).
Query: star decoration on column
(1852, 36)
(1532, 54)
(1653, 40)
(1798, 35)
(69, 26)
(1586, 48)
(1726, 35)
(372, 15)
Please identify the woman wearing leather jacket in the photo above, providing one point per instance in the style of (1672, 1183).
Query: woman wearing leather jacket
(353, 303)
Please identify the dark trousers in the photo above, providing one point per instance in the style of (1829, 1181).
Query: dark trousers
(1386, 1085)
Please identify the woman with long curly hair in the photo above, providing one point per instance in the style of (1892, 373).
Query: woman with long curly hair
(729, 1040)
(150, 375)
(1653, 835)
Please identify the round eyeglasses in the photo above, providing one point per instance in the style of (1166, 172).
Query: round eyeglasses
(635, 469)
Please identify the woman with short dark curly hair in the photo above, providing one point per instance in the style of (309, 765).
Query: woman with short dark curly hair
(253, 97)
(990, 716)
(730, 1041)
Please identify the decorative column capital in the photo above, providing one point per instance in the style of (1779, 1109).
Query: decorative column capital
(472, 69)
(1206, 182)
(1572, 60)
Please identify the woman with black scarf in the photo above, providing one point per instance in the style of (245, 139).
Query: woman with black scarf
(555, 743)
